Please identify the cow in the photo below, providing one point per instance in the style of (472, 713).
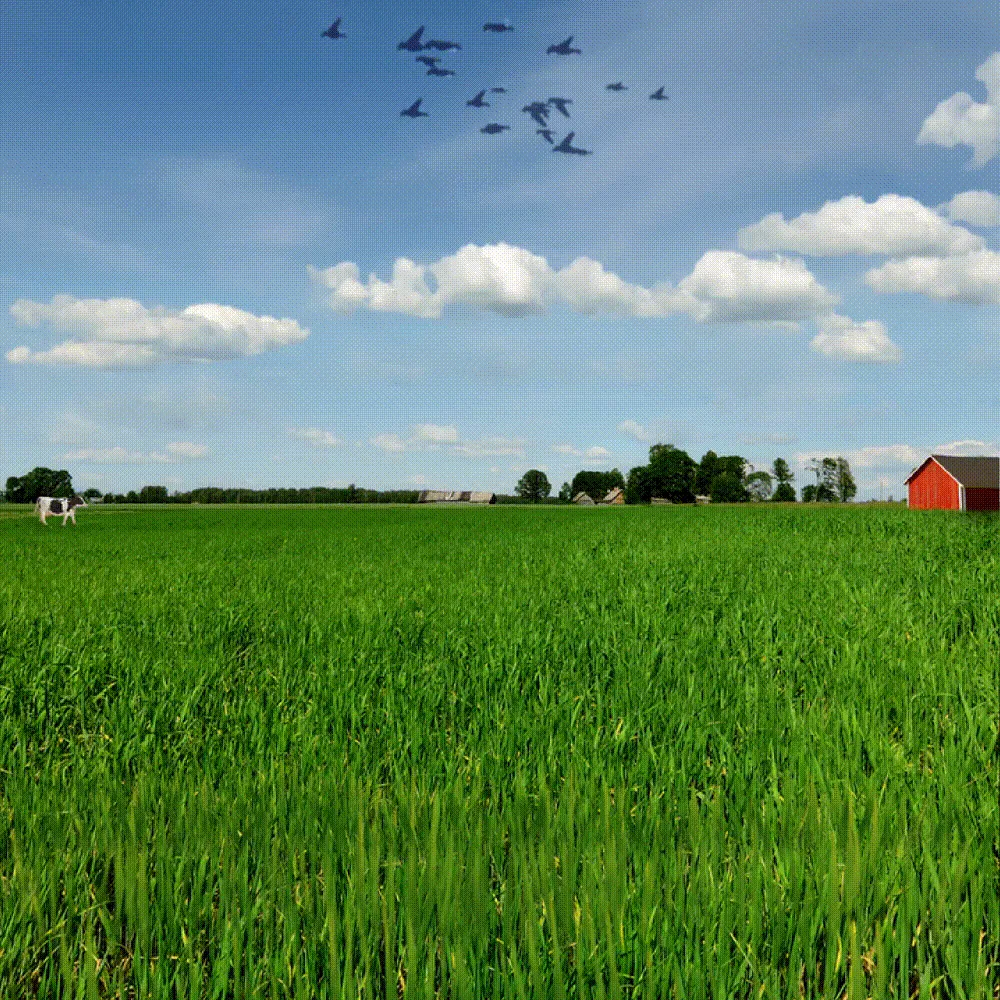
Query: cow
(59, 505)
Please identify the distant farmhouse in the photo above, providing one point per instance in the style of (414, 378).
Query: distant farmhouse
(949, 482)
(583, 500)
(615, 497)
(455, 496)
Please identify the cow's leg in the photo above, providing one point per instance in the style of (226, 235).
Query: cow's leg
(41, 516)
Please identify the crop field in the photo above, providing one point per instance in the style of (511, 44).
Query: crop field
(670, 752)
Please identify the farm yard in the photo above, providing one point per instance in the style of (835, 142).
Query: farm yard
(725, 752)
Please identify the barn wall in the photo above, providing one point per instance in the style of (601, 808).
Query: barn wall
(980, 498)
(934, 489)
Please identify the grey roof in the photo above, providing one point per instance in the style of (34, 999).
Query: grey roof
(976, 473)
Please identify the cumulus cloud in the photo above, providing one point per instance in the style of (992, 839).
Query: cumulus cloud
(724, 286)
(598, 453)
(848, 340)
(595, 452)
(123, 333)
(315, 436)
(174, 451)
(970, 446)
(978, 208)
(435, 434)
(961, 121)
(566, 449)
(893, 225)
(973, 278)
(388, 442)
(634, 430)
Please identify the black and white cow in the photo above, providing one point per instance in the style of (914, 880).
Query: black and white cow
(59, 505)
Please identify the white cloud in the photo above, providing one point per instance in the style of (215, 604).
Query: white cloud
(175, 451)
(967, 447)
(724, 286)
(435, 433)
(978, 208)
(490, 446)
(973, 278)
(727, 287)
(890, 454)
(388, 442)
(961, 121)
(315, 436)
(894, 225)
(634, 430)
(123, 333)
(566, 449)
(597, 452)
(848, 340)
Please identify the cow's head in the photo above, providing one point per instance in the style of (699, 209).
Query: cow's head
(76, 501)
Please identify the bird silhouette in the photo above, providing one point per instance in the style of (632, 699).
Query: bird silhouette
(497, 26)
(560, 103)
(616, 86)
(429, 60)
(547, 133)
(478, 102)
(334, 30)
(441, 46)
(563, 48)
(413, 111)
(493, 128)
(436, 71)
(538, 110)
(413, 43)
(566, 146)
(498, 90)
(658, 95)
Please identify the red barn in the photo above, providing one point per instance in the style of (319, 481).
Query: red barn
(951, 482)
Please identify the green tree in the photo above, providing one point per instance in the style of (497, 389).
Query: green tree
(40, 482)
(759, 485)
(783, 475)
(153, 494)
(566, 493)
(783, 493)
(92, 493)
(728, 485)
(534, 486)
(708, 469)
(672, 473)
(597, 485)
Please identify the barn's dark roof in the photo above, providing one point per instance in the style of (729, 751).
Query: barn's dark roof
(975, 473)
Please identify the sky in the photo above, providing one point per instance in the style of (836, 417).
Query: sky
(227, 259)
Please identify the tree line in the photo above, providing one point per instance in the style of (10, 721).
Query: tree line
(671, 474)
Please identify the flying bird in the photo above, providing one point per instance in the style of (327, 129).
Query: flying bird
(436, 43)
(566, 146)
(497, 26)
(539, 111)
(658, 95)
(616, 86)
(435, 71)
(560, 103)
(493, 128)
(478, 102)
(563, 48)
(334, 30)
(547, 133)
(413, 111)
(413, 43)
(498, 90)
(429, 60)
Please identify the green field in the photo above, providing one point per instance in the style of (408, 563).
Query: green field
(506, 752)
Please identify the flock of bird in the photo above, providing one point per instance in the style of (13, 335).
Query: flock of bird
(540, 111)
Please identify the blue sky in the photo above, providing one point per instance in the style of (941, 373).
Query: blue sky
(227, 259)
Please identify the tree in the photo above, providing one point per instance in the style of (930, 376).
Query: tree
(153, 494)
(809, 493)
(597, 485)
(671, 473)
(93, 493)
(40, 482)
(566, 493)
(783, 475)
(844, 482)
(728, 484)
(708, 469)
(534, 486)
(759, 485)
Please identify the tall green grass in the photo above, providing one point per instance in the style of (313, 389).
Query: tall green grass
(709, 752)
